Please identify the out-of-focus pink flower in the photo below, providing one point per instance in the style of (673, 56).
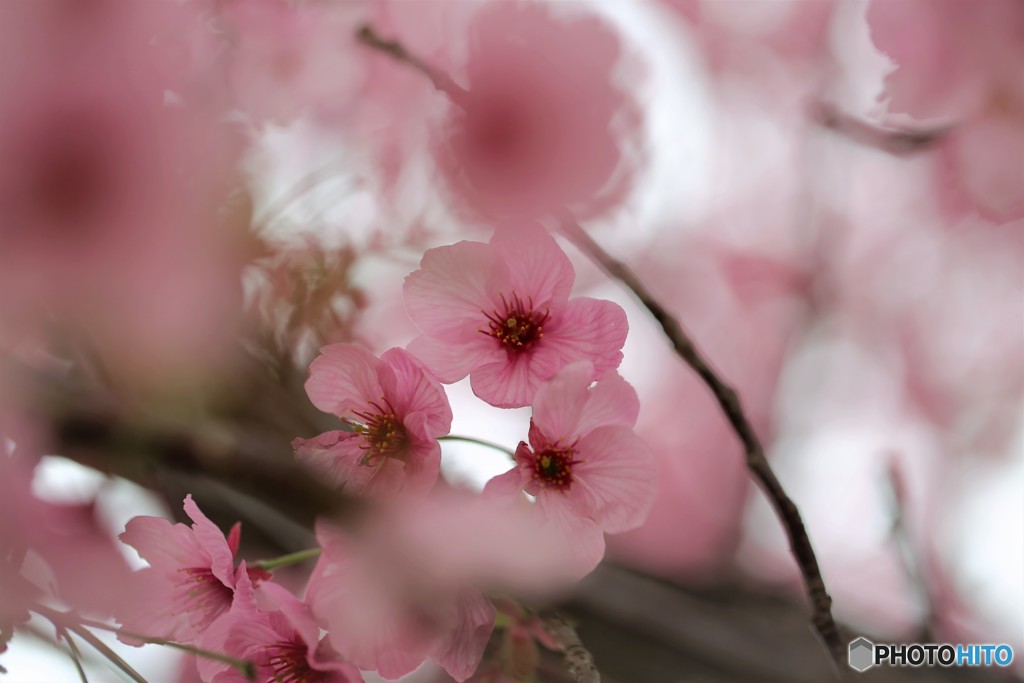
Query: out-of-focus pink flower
(394, 412)
(589, 472)
(500, 312)
(53, 550)
(543, 124)
(285, 58)
(273, 629)
(960, 63)
(379, 628)
(191, 579)
(112, 176)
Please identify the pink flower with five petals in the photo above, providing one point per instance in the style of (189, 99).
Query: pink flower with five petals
(501, 313)
(588, 470)
(191, 579)
(393, 413)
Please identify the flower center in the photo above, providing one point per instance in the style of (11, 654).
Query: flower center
(288, 663)
(384, 435)
(202, 595)
(552, 467)
(517, 325)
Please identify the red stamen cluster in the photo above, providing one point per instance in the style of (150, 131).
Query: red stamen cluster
(383, 433)
(552, 467)
(518, 326)
(289, 664)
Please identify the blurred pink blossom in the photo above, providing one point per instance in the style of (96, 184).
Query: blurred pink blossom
(114, 171)
(501, 313)
(543, 124)
(273, 629)
(395, 413)
(587, 468)
(379, 628)
(959, 64)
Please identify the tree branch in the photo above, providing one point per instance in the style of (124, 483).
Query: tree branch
(578, 660)
(729, 402)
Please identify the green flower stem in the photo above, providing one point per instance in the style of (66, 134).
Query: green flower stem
(479, 442)
(285, 560)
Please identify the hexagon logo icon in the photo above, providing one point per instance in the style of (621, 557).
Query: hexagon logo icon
(862, 654)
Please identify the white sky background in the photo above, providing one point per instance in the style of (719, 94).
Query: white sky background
(983, 520)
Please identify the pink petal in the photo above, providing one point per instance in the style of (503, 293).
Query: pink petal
(610, 402)
(409, 390)
(339, 456)
(507, 486)
(463, 649)
(583, 538)
(615, 480)
(513, 382)
(538, 268)
(588, 329)
(559, 403)
(343, 379)
(211, 540)
(164, 545)
(450, 362)
(446, 298)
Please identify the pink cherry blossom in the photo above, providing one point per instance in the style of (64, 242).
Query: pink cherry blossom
(501, 313)
(378, 627)
(273, 629)
(191, 578)
(585, 465)
(114, 167)
(539, 128)
(959, 64)
(394, 413)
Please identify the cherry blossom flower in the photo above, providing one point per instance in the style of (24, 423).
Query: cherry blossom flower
(960, 63)
(113, 172)
(191, 579)
(393, 412)
(588, 470)
(379, 628)
(501, 313)
(539, 126)
(273, 629)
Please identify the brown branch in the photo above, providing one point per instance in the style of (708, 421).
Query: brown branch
(440, 80)
(729, 402)
(578, 660)
(890, 140)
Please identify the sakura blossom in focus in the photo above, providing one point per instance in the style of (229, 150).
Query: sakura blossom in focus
(500, 312)
(588, 470)
(959, 64)
(273, 629)
(543, 124)
(378, 628)
(393, 412)
(191, 579)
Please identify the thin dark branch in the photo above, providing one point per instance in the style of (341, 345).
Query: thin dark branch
(890, 140)
(729, 402)
(578, 660)
(440, 80)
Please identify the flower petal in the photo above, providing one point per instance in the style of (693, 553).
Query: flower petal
(462, 650)
(615, 479)
(559, 403)
(446, 298)
(343, 379)
(211, 540)
(409, 390)
(451, 362)
(610, 402)
(588, 329)
(537, 266)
